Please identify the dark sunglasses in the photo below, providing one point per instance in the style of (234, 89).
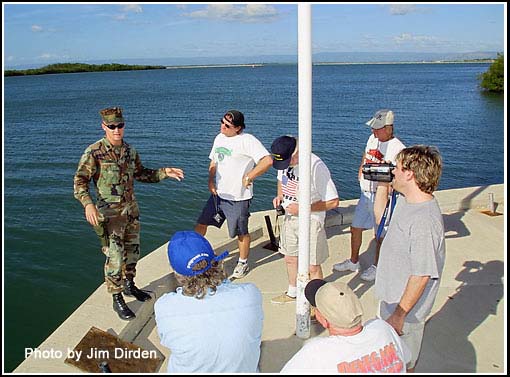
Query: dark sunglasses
(226, 125)
(114, 126)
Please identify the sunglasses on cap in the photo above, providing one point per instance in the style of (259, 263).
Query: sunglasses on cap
(114, 126)
(227, 123)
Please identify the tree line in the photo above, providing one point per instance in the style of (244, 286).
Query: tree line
(79, 67)
(494, 79)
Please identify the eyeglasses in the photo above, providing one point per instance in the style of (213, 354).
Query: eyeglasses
(114, 126)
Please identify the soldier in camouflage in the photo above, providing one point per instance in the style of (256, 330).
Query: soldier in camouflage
(113, 165)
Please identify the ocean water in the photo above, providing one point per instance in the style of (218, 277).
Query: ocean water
(51, 256)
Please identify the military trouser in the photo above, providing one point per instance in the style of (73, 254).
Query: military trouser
(119, 233)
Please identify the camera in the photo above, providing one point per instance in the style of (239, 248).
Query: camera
(380, 172)
(280, 211)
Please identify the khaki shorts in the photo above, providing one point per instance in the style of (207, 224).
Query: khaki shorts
(412, 336)
(289, 240)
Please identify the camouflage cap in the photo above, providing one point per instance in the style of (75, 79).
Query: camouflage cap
(112, 115)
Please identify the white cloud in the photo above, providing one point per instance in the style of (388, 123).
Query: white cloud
(135, 8)
(125, 10)
(47, 55)
(246, 14)
(417, 41)
(407, 37)
(409, 41)
(36, 28)
(402, 9)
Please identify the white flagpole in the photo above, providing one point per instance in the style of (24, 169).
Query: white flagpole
(305, 149)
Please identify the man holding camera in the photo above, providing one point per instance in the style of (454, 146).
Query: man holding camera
(237, 158)
(413, 251)
(381, 147)
(324, 197)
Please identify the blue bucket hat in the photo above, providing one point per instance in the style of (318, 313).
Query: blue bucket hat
(187, 248)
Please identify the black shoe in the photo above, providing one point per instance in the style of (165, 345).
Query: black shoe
(130, 289)
(121, 308)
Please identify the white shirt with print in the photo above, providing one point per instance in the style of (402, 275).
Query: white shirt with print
(234, 157)
(376, 349)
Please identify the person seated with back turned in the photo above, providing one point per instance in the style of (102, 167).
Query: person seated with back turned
(351, 347)
(210, 324)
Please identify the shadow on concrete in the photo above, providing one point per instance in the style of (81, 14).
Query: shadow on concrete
(466, 202)
(335, 230)
(359, 286)
(145, 310)
(277, 352)
(258, 256)
(453, 223)
(446, 337)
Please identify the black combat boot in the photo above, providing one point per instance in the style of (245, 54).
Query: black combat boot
(120, 306)
(130, 289)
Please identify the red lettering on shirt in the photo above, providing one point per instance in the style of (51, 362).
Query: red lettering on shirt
(385, 360)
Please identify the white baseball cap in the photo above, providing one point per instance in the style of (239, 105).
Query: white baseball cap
(381, 118)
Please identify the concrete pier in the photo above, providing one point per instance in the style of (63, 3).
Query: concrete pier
(465, 333)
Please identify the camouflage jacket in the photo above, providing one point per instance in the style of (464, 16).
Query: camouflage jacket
(113, 171)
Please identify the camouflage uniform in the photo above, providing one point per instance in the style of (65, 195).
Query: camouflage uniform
(114, 169)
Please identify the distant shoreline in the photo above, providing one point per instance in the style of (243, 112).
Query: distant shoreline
(254, 65)
(80, 67)
(217, 66)
(410, 62)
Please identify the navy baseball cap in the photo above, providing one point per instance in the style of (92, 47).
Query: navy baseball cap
(281, 151)
(187, 248)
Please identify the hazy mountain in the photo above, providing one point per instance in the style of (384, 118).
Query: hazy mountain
(370, 57)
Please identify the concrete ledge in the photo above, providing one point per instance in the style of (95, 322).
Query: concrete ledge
(154, 274)
(471, 198)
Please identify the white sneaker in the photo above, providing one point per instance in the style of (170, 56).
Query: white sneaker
(347, 265)
(240, 270)
(369, 273)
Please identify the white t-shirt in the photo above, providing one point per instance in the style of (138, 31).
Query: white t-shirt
(322, 186)
(376, 349)
(376, 152)
(234, 157)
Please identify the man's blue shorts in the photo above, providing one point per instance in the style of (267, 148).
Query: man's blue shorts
(236, 213)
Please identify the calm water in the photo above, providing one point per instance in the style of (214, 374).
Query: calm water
(52, 258)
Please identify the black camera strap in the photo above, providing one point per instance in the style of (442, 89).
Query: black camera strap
(216, 204)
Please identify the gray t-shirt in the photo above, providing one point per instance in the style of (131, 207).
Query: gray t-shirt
(414, 245)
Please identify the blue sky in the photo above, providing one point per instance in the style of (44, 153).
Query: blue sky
(49, 33)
